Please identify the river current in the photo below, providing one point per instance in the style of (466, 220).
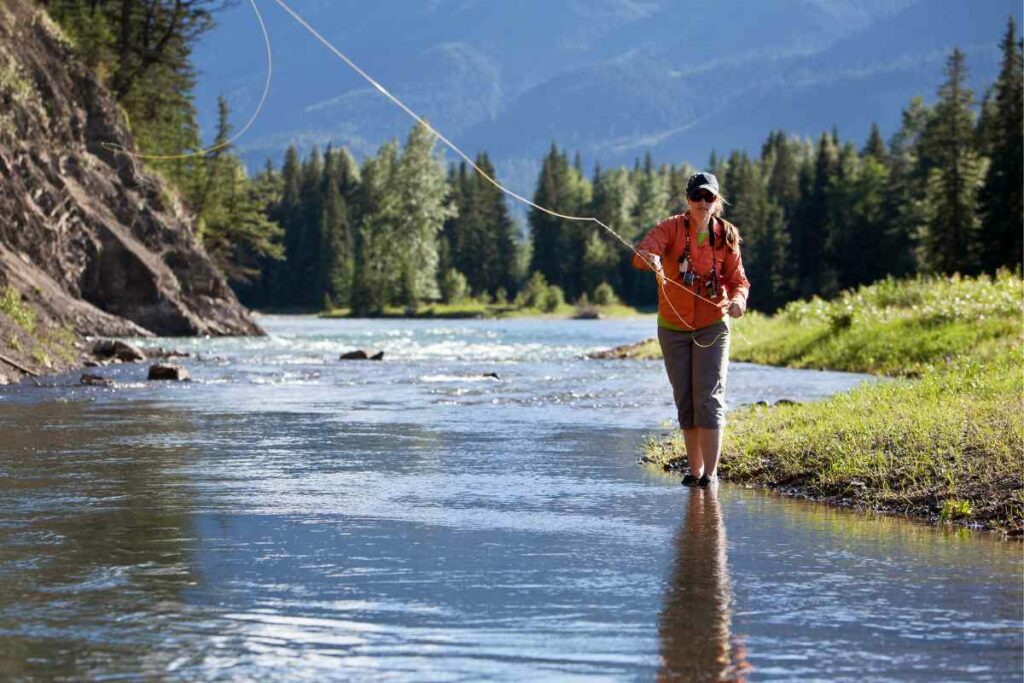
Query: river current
(470, 508)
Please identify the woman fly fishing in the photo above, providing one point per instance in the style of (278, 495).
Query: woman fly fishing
(696, 256)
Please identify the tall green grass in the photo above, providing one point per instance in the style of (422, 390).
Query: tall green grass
(893, 327)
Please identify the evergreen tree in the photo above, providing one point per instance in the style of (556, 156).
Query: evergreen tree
(452, 243)
(903, 202)
(677, 178)
(950, 238)
(651, 198)
(266, 189)
(863, 256)
(307, 265)
(490, 228)
(239, 237)
(875, 146)
(141, 49)
(810, 227)
(781, 160)
(839, 266)
(748, 203)
(1002, 204)
(558, 243)
(217, 169)
(613, 201)
(232, 214)
(288, 214)
(335, 234)
(857, 217)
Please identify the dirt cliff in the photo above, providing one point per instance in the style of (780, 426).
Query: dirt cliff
(91, 245)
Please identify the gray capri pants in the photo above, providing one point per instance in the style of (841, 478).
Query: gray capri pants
(697, 373)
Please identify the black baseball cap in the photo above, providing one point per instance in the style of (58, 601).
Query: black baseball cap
(702, 181)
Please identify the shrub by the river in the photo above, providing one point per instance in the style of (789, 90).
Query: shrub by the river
(553, 299)
(454, 287)
(533, 292)
(604, 295)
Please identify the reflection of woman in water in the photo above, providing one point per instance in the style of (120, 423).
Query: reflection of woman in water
(694, 624)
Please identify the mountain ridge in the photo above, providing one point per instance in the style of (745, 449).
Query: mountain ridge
(612, 79)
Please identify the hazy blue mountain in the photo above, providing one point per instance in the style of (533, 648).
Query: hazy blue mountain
(612, 78)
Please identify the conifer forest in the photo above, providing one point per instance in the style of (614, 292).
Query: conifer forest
(321, 229)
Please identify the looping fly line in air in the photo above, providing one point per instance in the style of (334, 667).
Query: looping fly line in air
(662, 281)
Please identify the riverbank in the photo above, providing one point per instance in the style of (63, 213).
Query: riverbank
(942, 442)
(475, 309)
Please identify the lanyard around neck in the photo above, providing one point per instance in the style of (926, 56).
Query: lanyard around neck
(711, 235)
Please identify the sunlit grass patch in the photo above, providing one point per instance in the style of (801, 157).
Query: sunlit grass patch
(12, 306)
(893, 327)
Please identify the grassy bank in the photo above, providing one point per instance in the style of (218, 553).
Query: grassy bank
(945, 441)
(476, 309)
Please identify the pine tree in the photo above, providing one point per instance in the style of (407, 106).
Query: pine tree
(217, 169)
(549, 234)
(810, 227)
(904, 194)
(245, 239)
(336, 235)
(492, 232)
(604, 258)
(1002, 202)
(285, 212)
(781, 160)
(231, 213)
(678, 176)
(875, 146)
(266, 190)
(451, 250)
(306, 263)
(651, 198)
(951, 233)
(840, 260)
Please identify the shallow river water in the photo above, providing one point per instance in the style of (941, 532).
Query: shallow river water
(289, 516)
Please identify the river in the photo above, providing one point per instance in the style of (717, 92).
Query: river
(290, 516)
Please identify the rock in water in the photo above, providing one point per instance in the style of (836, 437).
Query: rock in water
(96, 381)
(168, 372)
(115, 348)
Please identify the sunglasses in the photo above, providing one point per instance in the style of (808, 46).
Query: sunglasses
(701, 196)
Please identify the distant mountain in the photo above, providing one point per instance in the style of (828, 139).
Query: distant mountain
(611, 78)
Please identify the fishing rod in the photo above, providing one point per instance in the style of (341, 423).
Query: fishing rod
(662, 280)
(650, 262)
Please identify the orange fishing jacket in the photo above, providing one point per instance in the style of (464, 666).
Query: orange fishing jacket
(678, 306)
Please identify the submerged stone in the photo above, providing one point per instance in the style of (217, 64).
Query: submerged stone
(168, 372)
